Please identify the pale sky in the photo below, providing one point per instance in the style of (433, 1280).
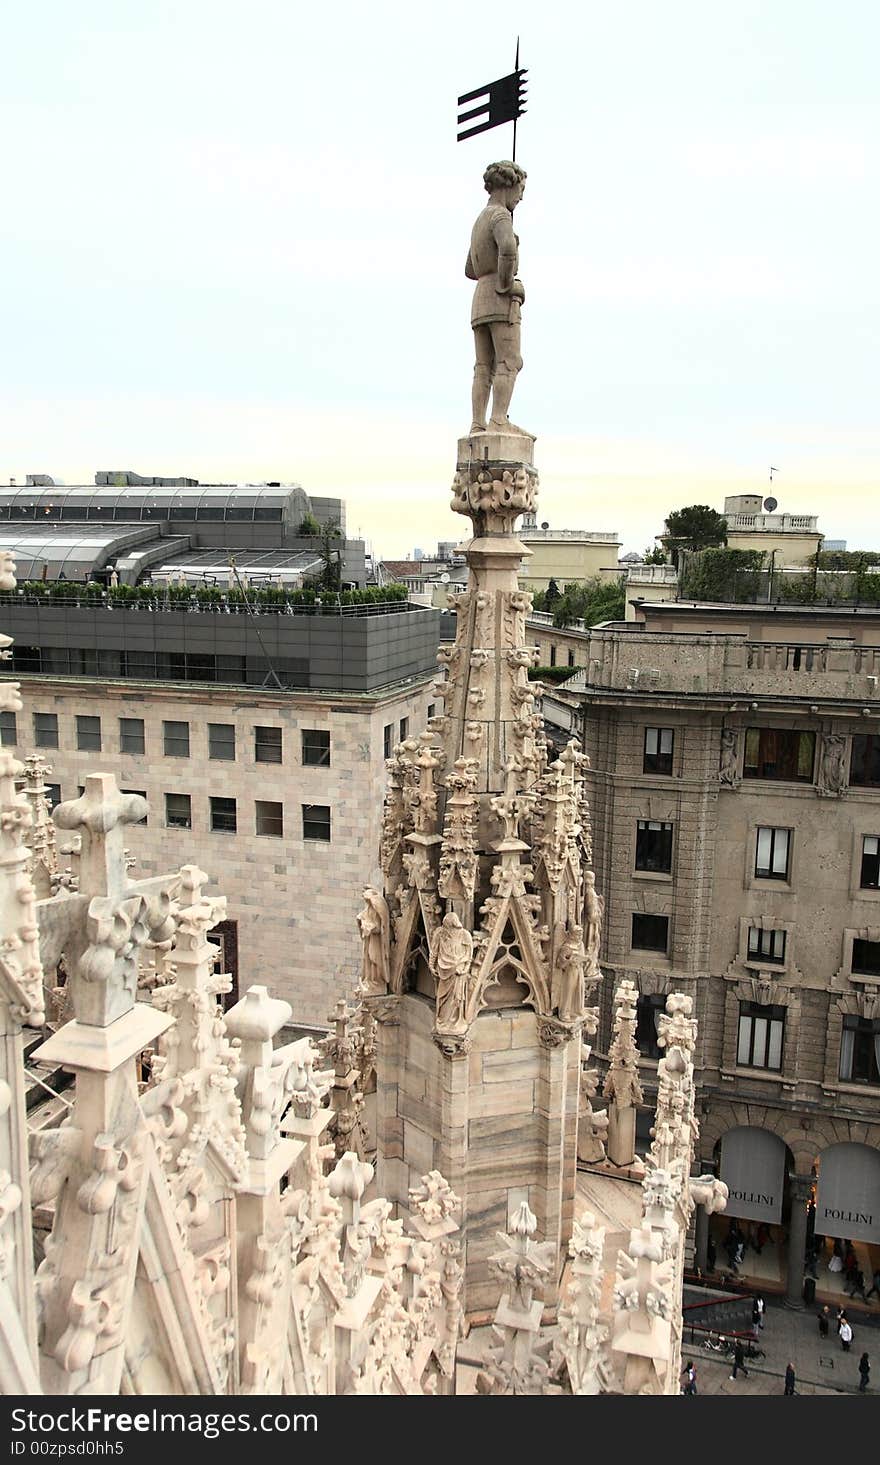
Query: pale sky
(233, 240)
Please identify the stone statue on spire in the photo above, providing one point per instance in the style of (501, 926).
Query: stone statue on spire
(493, 260)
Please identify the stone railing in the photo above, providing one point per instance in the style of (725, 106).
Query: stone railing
(774, 523)
(651, 575)
(711, 664)
(602, 536)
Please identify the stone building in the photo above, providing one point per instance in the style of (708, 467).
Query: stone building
(566, 555)
(752, 523)
(735, 799)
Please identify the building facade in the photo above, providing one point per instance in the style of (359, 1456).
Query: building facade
(276, 795)
(735, 797)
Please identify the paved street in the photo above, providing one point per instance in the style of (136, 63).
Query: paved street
(789, 1336)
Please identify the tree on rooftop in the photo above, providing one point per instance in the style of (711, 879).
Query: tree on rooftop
(695, 527)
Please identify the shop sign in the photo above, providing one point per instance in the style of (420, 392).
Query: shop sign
(848, 1197)
(753, 1169)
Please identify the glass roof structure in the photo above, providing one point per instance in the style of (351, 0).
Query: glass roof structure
(246, 503)
(255, 566)
(71, 554)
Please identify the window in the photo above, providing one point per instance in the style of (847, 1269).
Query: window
(648, 1009)
(316, 821)
(866, 958)
(552, 655)
(267, 744)
(53, 794)
(176, 739)
(772, 854)
(860, 1050)
(46, 729)
(387, 735)
(223, 816)
(178, 811)
(432, 710)
(141, 793)
(766, 945)
(315, 748)
(658, 749)
(760, 1036)
(775, 752)
(865, 764)
(654, 845)
(8, 730)
(870, 876)
(269, 818)
(650, 933)
(131, 735)
(404, 729)
(88, 734)
(571, 658)
(221, 740)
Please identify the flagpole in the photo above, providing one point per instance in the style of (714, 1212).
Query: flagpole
(516, 68)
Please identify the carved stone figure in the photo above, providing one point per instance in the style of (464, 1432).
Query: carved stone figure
(728, 772)
(374, 923)
(594, 910)
(568, 994)
(452, 953)
(832, 765)
(492, 261)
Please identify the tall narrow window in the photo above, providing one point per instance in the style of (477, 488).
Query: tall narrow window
(88, 734)
(316, 821)
(178, 811)
(648, 1009)
(404, 729)
(772, 853)
(267, 744)
(865, 764)
(387, 739)
(131, 735)
(223, 816)
(221, 740)
(658, 749)
(269, 818)
(870, 877)
(315, 747)
(46, 729)
(760, 1036)
(654, 845)
(860, 1050)
(176, 739)
(8, 730)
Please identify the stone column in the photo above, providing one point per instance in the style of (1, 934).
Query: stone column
(701, 1239)
(797, 1240)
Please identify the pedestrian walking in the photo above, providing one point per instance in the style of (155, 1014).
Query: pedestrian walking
(789, 1380)
(846, 1335)
(864, 1373)
(690, 1379)
(824, 1320)
(739, 1359)
(758, 1312)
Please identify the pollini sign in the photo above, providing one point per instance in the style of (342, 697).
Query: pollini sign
(753, 1169)
(848, 1197)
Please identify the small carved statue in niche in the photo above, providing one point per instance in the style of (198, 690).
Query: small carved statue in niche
(832, 764)
(728, 772)
(568, 983)
(594, 910)
(452, 954)
(374, 923)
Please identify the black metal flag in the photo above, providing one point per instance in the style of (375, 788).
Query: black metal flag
(502, 100)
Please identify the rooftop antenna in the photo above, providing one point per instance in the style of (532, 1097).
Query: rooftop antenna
(772, 471)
